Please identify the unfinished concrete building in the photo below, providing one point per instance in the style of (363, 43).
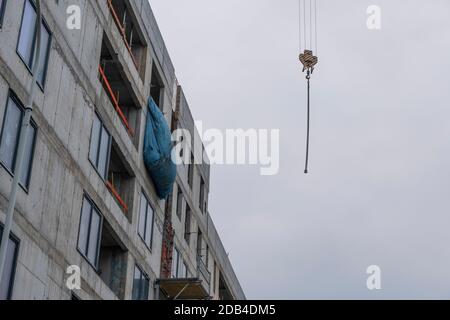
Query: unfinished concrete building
(86, 199)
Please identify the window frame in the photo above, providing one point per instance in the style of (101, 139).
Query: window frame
(47, 54)
(16, 240)
(100, 228)
(145, 276)
(180, 199)
(11, 95)
(108, 154)
(187, 233)
(2, 12)
(175, 252)
(148, 245)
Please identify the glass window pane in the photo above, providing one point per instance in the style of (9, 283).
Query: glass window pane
(26, 36)
(13, 119)
(8, 270)
(84, 226)
(145, 288)
(136, 283)
(10, 135)
(149, 227)
(1, 11)
(94, 237)
(43, 55)
(95, 137)
(142, 215)
(28, 157)
(104, 150)
(179, 203)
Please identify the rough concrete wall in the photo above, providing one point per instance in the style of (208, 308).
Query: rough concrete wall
(48, 214)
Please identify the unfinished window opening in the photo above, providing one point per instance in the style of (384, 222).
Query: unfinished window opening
(187, 226)
(157, 88)
(112, 261)
(131, 35)
(191, 172)
(179, 203)
(120, 180)
(118, 88)
(202, 196)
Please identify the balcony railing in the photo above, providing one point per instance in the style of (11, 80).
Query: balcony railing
(122, 31)
(114, 100)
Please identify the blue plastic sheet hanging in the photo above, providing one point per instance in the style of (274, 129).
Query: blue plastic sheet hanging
(157, 151)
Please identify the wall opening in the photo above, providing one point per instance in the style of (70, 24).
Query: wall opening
(131, 35)
(157, 88)
(112, 261)
(117, 87)
(120, 181)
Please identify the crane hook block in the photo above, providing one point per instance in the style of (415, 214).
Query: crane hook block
(309, 60)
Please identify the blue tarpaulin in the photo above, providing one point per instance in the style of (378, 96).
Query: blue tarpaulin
(157, 151)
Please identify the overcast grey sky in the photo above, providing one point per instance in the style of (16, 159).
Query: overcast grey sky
(379, 187)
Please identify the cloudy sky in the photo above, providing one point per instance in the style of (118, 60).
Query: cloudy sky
(379, 188)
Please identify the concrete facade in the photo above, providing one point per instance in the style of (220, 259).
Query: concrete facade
(47, 217)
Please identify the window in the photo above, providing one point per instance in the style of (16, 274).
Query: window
(146, 215)
(101, 246)
(100, 147)
(128, 28)
(74, 297)
(118, 89)
(141, 284)
(202, 196)
(27, 41)
(2, 11)
(179, 203)
(191, 171)
(175, 262)
(187, 226)
(120, 180)
(10, 140)
(7, 279)
(182, 269)
(157, 88)
(89, 232)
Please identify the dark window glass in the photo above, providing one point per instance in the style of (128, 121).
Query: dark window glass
(10, 140)
(179, 203)
(89, 233)
(26, 37)
(27, 41)
(141, 285)
(191, 171)
(7, 278)
(100, 146)
(187, 226)
(43, 55)
(2, 11)
(95, 138)
(10, 134)
(28, 156)
(146, 214)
